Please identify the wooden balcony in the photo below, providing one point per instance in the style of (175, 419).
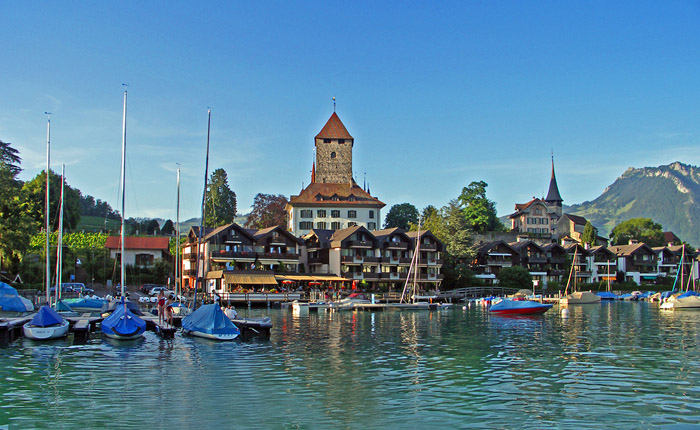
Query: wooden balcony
(395, 245)
(428, 247)
(360, 244)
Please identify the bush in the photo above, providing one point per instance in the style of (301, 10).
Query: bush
(516, 277)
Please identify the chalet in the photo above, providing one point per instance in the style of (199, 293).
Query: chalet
(491, 258)
(637, 261)
(139, 251)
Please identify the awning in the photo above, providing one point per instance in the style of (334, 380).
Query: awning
(214, 274)
(307, 278)
(250, 279)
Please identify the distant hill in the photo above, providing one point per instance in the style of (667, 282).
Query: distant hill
(669, 195)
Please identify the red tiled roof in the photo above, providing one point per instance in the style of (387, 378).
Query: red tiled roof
(334, 129)
(157, 243)
(322, 194)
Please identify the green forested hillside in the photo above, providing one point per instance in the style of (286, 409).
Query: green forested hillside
(667, 194)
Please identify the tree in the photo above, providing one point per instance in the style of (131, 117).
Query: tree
(479, 211)
(590, 234)
(9, 158)
(152, 228)
(641, 229)
(516, 277)
(268, 210)
(168, 228)
(33, 196)
(401, 216)
(221, 201)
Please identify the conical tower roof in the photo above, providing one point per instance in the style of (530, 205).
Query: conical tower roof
(553, 194)
(334, 129)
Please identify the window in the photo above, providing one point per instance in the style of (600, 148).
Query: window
(321, 225)
(326, 141)
(306, 225)
(335, 213)
(371, 214)
(321, 213)
(352, 224)
(371, 225)
(332, 155)
(307, 213)
(335, 226)
(352, 214)
(341, 140)
(144, 260)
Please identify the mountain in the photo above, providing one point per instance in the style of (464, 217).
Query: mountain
(669, 195)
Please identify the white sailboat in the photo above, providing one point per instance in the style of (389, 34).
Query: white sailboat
(409, 295)
(682, 300)
(576, 297)
(47, 323)
(122, 323)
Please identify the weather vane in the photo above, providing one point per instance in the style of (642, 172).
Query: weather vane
(333, 104)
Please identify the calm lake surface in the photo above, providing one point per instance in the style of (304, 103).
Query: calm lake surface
(621, 365)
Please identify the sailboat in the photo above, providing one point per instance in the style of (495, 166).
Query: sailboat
(576, 297)
(207, 321)
(122, 323)
(409, 295)
(47, 323)
(682, 300)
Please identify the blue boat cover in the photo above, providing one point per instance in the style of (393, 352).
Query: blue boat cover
(46, 317)
(9, 299)
(607, 295)
(123, 322)
(95, 304)
(209, 319)
(688, 294)
(63, 306)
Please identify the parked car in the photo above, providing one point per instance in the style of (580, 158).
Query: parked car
(156, 290)
(146, 288)
(65, 288)
(80, 288)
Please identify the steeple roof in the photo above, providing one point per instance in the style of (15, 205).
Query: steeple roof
(553, 194)
(334, 129)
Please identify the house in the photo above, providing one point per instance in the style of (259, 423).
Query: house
(637, 261)
(491, 258)
(537, 219)
(380, 259)
(532, 257)
(139, 251)
(602, 263)
(578, 255)
(333, 201)
(671, 239)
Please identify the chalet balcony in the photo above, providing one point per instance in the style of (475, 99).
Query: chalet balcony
(234, 255)
(390, 260)
(356, 259)
(395, 245)
(557, 260)
(372, 259)
(393, 276)
(644, 263)
(499, 263)
(275, 241)
(430, 277)
(277, 256)
(583, 274)
(316, 260)
(428, 247)
(352, 275)
(556, 273)
(360, 244)
(404, 261)
(371, 276)
(537, 260)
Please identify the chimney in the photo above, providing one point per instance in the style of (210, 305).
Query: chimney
(633, 241)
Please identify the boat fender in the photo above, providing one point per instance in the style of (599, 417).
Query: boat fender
(565, 313)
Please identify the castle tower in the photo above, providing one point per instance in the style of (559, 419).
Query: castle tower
(554, 199)
(334, 153)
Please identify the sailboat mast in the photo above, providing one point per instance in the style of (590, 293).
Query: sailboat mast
(48, 207)
(59, 246)
(200, 270)
(123, 186)
(177, 237)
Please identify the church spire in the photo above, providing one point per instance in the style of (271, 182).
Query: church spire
(553, 195)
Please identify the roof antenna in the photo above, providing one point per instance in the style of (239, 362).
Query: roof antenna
(333, 104)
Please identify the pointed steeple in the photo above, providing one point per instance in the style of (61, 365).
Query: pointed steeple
(334, 129)
(553, 195)
(313, 173)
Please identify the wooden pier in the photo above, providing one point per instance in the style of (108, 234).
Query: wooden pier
(11, 328)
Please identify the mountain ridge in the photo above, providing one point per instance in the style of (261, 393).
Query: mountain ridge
(668, 194)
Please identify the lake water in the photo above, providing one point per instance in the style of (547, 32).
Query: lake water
(621, 365)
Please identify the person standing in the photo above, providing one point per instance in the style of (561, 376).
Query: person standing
(161, 307)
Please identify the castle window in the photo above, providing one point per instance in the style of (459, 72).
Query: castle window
(341, 140)
(371, 214)
(352, 224)
(335, 226)
(352, 214)
(307, 213)
(321, 213)
(306, 225)
(326, 141)
(321, 225)
(332, 155)
(335, 213)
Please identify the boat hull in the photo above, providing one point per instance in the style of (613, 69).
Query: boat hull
(580, 298)
(213, 336)
(45, 333)
(524, 311)
(690, 302)
(519, 307)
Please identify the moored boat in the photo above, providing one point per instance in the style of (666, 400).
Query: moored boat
(210, 322)
(11, 303)
(46, 324)
(519, 307)
(122, 324)
(579, 298)
(687, 300)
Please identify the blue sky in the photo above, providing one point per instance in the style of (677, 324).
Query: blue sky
(435, 95)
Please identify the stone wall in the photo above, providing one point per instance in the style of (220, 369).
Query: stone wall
(334, 162)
